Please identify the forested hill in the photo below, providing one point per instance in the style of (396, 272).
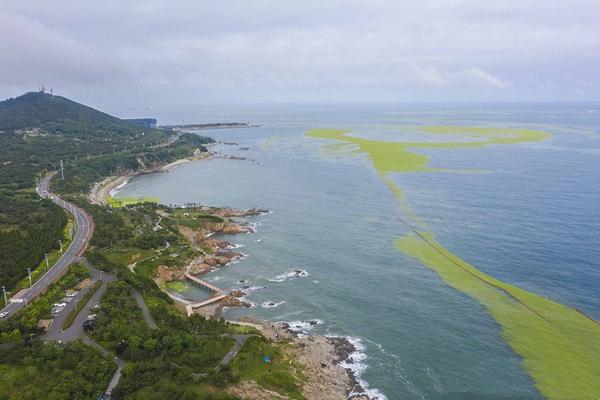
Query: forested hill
(56, 114)
(37, 131)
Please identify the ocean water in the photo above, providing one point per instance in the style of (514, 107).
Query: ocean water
(528, 215)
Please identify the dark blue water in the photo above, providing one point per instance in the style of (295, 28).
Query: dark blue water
(529, 217)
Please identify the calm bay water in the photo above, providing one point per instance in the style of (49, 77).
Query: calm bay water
(529, 217)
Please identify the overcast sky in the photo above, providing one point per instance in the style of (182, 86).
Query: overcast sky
(127, 53)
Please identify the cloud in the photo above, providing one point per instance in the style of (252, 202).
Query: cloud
(484, 78)
(33, 54)
(429, 76)
(305, 49)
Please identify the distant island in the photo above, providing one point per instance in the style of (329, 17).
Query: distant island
(213, 125)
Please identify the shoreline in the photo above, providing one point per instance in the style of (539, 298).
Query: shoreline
(332, 363)
(108, 187)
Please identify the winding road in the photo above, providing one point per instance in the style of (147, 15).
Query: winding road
(84, 228)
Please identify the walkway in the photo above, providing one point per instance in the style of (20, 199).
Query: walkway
(145, 312)
(216, 291)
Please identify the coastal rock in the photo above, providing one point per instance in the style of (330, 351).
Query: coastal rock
(250, 390)
(211, 261)
(170, 274)
(326, 379)
(233, 229)
(199, 269)
(233, 301)
(214, 244)
(231, 213)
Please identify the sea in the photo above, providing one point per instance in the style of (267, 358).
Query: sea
(324, 259)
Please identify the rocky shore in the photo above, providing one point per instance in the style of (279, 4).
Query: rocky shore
(216, 253)
(323, 360)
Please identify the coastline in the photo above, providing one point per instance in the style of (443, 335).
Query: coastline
(331, 363)
(102, 191)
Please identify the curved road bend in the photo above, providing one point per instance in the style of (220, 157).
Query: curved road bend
(84, 229)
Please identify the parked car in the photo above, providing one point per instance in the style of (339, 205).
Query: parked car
(89, 325)
(3, 314)
(72, 294)
(57, 305)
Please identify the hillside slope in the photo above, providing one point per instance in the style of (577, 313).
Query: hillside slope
(56, 114)
(37, 131)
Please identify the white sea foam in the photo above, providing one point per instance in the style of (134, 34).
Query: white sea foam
(297, 273)
(357, 366)
(251, 289)
(113, 192)
(303, 328)
(253, 226)
(272, 304)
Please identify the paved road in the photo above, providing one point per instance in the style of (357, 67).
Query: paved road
(240, 340)
(120, 363)
(75, 331)
(84, 228)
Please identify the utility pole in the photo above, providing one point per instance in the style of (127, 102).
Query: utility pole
(47, 264)
(62, 172)
(29, 273)
(5, 296)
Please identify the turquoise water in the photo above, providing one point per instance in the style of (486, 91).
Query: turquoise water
(528, 217)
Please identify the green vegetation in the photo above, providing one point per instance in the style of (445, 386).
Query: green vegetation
(279, 375)
(177, 286)
(26, 320)
(176, 360)
(161, 361)
(73, 314)
(130, 201)
(37, 130)
(560, 346)
(37, 371)
(38, 272)
(29, 228)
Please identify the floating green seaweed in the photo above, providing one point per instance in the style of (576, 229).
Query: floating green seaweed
(559, 345)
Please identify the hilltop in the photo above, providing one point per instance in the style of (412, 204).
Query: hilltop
(56, 114)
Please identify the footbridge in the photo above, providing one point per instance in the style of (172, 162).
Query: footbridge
(217, 293)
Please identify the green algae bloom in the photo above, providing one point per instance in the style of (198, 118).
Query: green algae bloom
(559, 345)
(129, 201)
(177, 286)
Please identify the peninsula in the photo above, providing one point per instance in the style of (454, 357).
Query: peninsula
(108, 320)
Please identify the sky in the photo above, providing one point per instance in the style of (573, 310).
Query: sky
(118, 54)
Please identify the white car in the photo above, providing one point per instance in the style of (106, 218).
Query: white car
(72, 294)
(3, 314)
(58, 305)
